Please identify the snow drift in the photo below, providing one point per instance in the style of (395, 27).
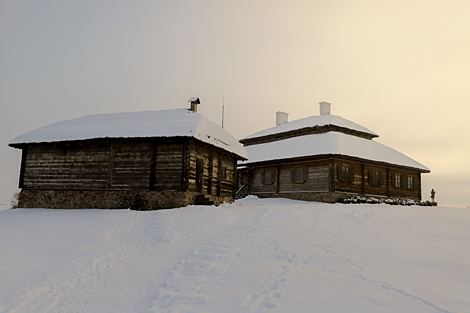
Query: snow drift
(271, 255)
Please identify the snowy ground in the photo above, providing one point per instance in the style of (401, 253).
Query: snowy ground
(255, 255)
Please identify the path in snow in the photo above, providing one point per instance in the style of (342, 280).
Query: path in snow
(254, 255)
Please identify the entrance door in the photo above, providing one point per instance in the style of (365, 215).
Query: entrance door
(199, 175)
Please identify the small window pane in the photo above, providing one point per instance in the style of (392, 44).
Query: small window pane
(397, 181)
(375, 178)
(346, 173)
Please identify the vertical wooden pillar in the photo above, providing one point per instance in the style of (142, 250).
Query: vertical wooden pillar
(219, 175)
(24, 153)
(234, 178)
(153, 167)
(110, 165)
(387, 172)
(185, 167)
(332, 175)
(278, 178)
(419, 187)
(363, 176)
(210, 171)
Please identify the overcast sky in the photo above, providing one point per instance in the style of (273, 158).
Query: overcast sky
(399, 68)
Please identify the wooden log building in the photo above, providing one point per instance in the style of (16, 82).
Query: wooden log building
(325, 158)
(169, 158)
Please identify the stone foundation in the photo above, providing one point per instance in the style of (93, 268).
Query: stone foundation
(108, 199)
(327, 197)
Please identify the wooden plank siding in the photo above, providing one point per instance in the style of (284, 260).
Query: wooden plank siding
(145, 164)
(403, 191)
(324, 176)
(214, 162)
(168, 166)
(62, 167)
(362, 181)
(317, 179)
(354, 186)
(130, 165)
(257, 183)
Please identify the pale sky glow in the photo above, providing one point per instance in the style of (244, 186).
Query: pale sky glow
(398, 68)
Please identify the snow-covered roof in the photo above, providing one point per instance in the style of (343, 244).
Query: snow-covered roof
(165, 123)
(329, 143)
(312, 121)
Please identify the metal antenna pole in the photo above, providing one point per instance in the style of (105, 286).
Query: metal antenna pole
(223, 108)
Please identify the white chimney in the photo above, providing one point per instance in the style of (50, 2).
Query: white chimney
(281, 118)
(325, 108)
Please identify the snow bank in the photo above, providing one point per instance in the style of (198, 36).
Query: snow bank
(165, 123)
(311, 121)
(329, 143)
(250, 256)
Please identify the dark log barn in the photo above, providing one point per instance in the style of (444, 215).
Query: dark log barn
(325, 158)
(169, 158)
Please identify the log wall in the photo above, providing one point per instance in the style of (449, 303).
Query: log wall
(324, 176)
(65, 167)
(362, 184)
(168, 166)
(215, 163)
(317, 179)
(147, 165)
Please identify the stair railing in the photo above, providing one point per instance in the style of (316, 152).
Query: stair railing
(243, 191)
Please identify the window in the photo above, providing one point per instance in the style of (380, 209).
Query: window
(345, 173)
(223, 172)
(299, 174)
(411, 182)
(375, 178)
(268, 177)
(397, 182)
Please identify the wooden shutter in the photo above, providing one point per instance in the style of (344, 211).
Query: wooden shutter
(292, 175)
(268, 177)
(304, 173)
(351, 174)
(340, 172)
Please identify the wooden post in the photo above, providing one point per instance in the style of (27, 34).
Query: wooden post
(363, 175)
(24, 153)
(278, 178)
(185, 167)
(153, 165)
(332, 175)
(110, 165)
(387, 172)
(210, 172)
